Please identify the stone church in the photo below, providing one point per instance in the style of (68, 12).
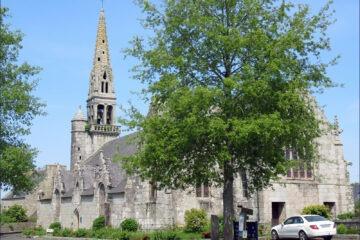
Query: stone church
(95, 185)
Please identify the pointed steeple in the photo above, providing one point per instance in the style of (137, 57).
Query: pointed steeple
(101, 74)
(101, 98)
(101, 56)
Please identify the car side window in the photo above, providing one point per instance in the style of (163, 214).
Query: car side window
(289, 221)
(298, 220)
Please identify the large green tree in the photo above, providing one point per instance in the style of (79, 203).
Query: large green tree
(230, 85)
(18, 107)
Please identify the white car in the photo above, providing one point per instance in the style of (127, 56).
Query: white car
(304, 227)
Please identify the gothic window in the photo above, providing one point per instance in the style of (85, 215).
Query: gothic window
(104, 75)
(98, 59)
(106, 87)
(100, 114)
(102, 87)
(153, 192)
(109, 114)
(57, 205)
(203, 190)
(102, 199)
(103, 41)
(301, 171)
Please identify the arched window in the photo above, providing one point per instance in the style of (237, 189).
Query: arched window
(56, 205)
(109, 114)
(106, 87)
(100, 114)
(102, 198)
(102, 87)
(98, 59)
(104, 75)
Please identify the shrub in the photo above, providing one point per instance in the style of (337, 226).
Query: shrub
(37, 231)
(353, 231)
(6, 219)
(341, 229)
(195, 220)
(129, 225)
(164, 235)
(55, 226)
(98, 223)
(81, 232)
(321, 210)
(66, 232)
(17, 213)
(344, 216)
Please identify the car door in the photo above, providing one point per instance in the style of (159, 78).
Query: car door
(285, 230)
(295, 227)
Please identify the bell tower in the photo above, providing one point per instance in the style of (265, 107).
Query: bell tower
(101, 100)
(91, 132)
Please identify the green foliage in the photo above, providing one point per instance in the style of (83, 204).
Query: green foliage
(37, 231)
(345, 216)
(15, 213)
(321, 210)
(229, 84)
(98, 223)
(341, 229)
(129, 225)
(55, 225)
(264, 229)
(18, 107)
(110, 233)
(195, 220)
(164, 235)
(66, 232)
(357, 208)
(6, 219)
(81, 232)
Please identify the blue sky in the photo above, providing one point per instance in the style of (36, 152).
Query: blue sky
(60, 38)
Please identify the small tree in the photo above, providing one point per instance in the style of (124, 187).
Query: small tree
(321, 210)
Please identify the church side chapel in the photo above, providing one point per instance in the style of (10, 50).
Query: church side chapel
(97, 186)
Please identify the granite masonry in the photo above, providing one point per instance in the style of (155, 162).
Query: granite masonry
(97, 185)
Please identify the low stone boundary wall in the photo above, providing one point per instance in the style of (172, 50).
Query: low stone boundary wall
(15, 227)
(353, 223)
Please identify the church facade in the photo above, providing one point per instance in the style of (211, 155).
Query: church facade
(96, 185)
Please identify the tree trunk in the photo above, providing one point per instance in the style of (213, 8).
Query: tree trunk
(228, 202)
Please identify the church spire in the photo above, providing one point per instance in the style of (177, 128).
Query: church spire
(101, 98)
(101, 56)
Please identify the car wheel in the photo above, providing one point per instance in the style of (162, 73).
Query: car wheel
(328, 238)
(302, 235)
(274, 235)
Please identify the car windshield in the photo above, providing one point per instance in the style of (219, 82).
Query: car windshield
(315, 218)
